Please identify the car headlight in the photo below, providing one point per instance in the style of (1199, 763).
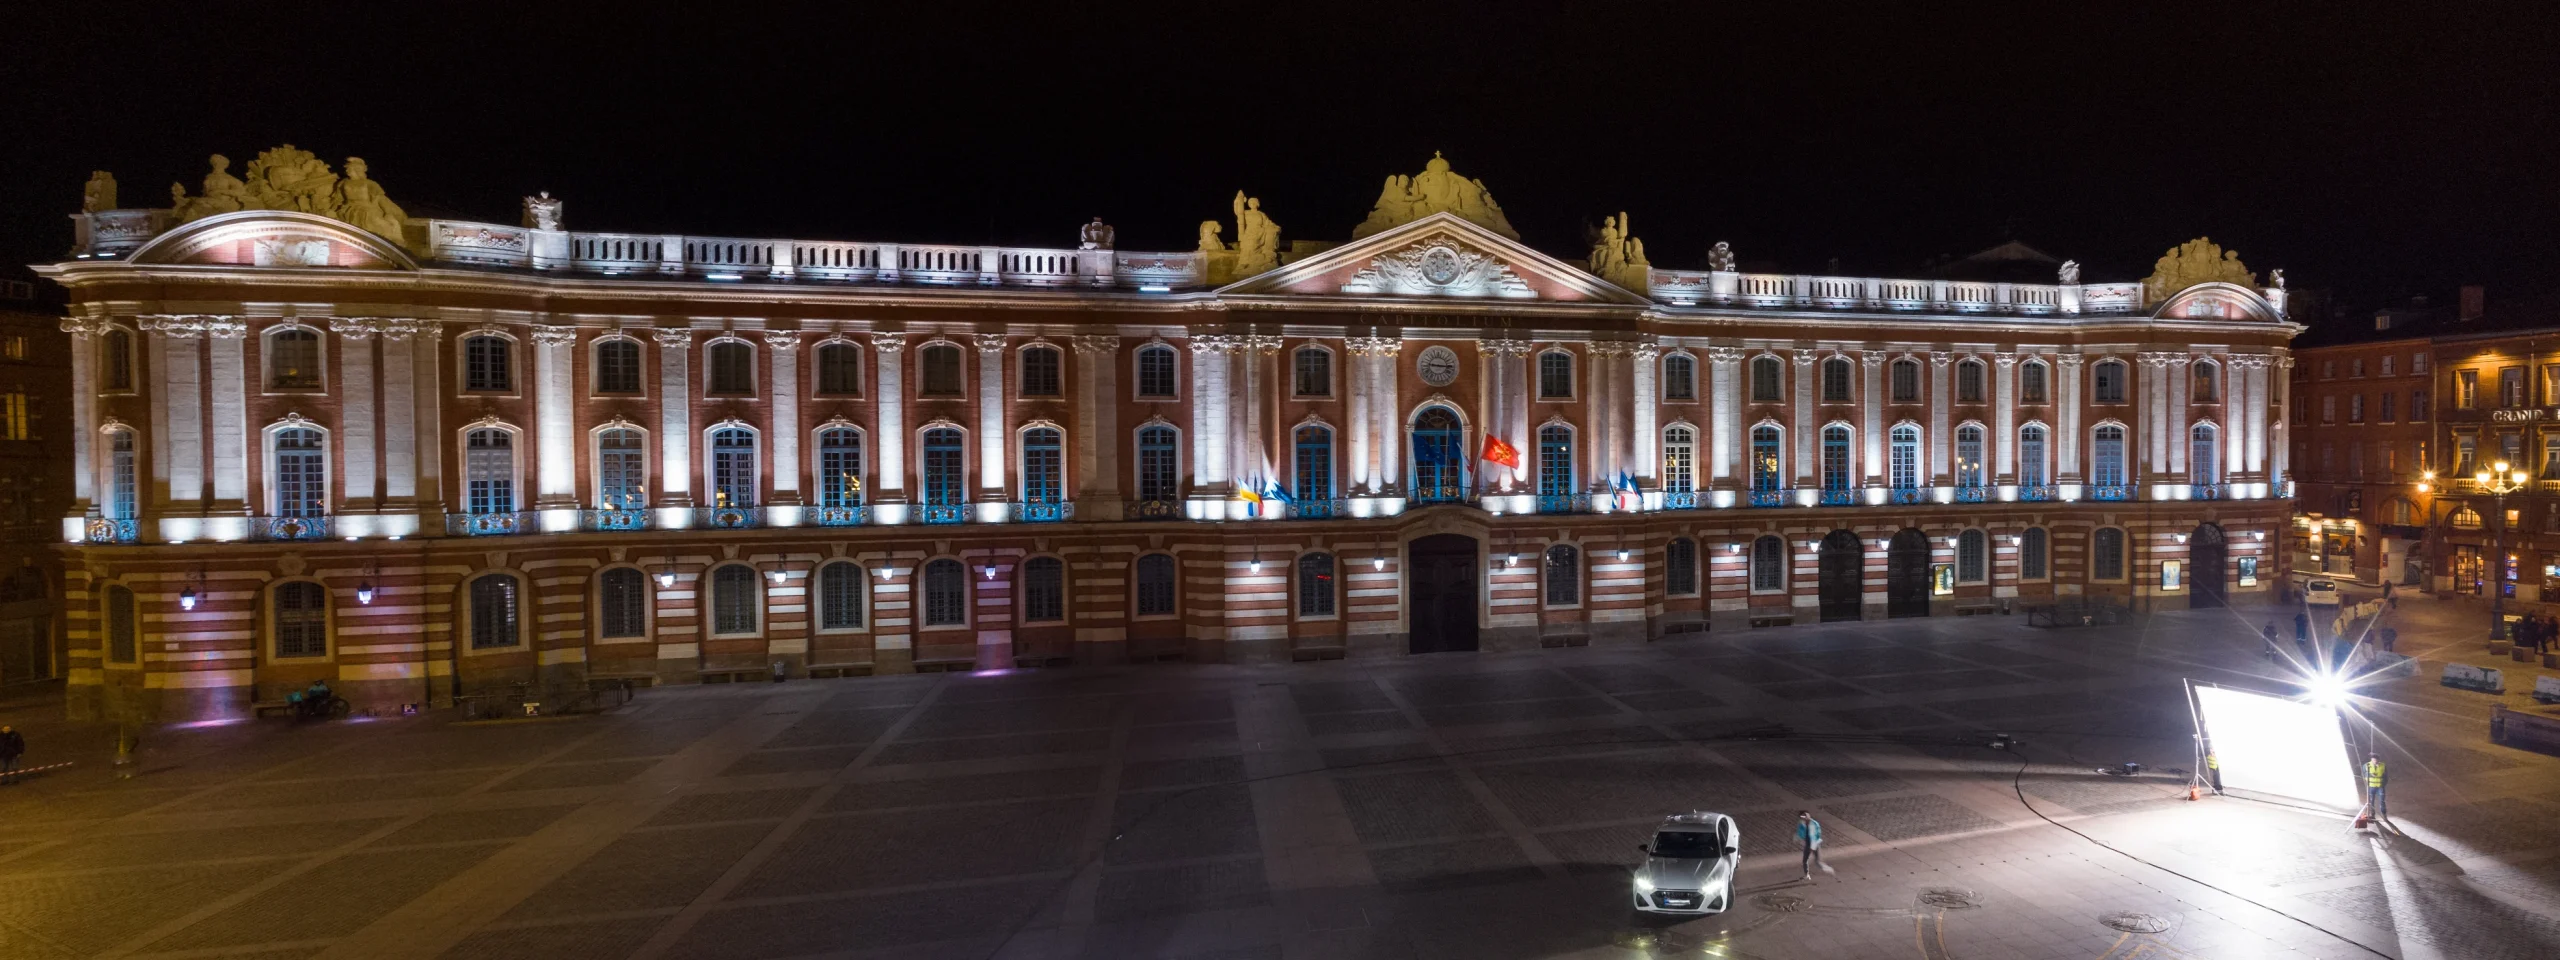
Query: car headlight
(1643, 885)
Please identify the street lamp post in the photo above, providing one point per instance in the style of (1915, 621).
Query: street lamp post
(2497, 481)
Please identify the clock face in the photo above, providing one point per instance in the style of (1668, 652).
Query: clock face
(1438, 366)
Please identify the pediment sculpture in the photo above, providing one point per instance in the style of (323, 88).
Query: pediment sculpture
(1439, 269)
(1618, 256)
(289, 178)
(2196, 261)
(1435, 190)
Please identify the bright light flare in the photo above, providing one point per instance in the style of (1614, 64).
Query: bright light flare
(2277, 746)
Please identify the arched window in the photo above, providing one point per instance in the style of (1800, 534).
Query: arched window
(2031, 554)
(2204, 454)
(1315, 463)
(1765, 442)
(301, 464)
(622, 604)
(2106, 381)
(1680, 567)
(940, 364)
(1768, 564)
(1564, 575)
(1156, 585)
(617, 365)
(1768, 380)
(1906, 381)
(1439, 466)
(1158, 481)
(301, 619)
(737, 600)
(839, 369)
(1679, 377)
(1043, 466)
(124, 490)
(1969, 381)
(488, 364)
(293, 359)
(1555, 460)
(489, 471)
(2034, 380)
(840, 588)
(1044, 590)
(2206, 377)
(1902, 457)
(2403, 513)
(1155, 372)
(2032, 459)
(733, 367)
(124, 633)
(839, 467)
(1555, 375)
(2107, 449)
(1313, 368)
(1973, 556)
(117, 359)
(1679, 460)
(946, 594)
(1835, 458)
(1969, 455)
(942, 478)
(1315, 585)
(1042, 372)
(622, 469)
(1837, 374)
(494, 620)
(733, 467)
(2106, 554)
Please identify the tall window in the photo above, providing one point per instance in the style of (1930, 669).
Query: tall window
(1906, 381)
(1837, 374)
(1555, 375)
(124, 635)
(1156, 585)
(839, 467)
(946, 594)
(2031, 456)
(1680, 567)
(2106, 381)
(1555, 460)
(1155, 372)
(840, 596)
(733, 467)
(2106, 554)
(2204, 455)
(301, 619)
(942, 480)
(1315, 463)
(1564, 575)
(1679, 460)
(2387, 413)
(13, 417)
(2206, 381)
(2032, 382)
(2109, 451)
(2355, 408)
(1315, 585)
(839, 369)
(617, 365)
(2466, 454)
(1044, 590)
(736, 599)
(2511, 387)
(940, 363)
(1043, 466)
(1768, 380)
(1969, 381)
(1314, 372)
(124, 494)
(622, 599)
(622, 470)
(2031, 554)
(1902, 457)
(1156, 465)
(494, 618)
(1040, 371)
(302, 472)
(293, 359)
(2417, 406)
(1969, 455)
(1768, 564)
(1679, 377)
(733, 367)
(1439, 466)
(1835, 458)
(486, 364)
(2466, 389)
(489, 471)
(1764, 459)
(118, 345)
(1973, 556)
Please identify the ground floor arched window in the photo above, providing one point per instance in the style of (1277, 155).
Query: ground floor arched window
(495, 620)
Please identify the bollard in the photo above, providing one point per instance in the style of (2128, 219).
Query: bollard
(779, 671)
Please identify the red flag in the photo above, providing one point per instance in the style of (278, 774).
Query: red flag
(1500, 452)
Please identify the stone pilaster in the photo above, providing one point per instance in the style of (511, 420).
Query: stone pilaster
(890, 436)
(2066, 434)
(1210, 444)
(2004, 413)
(784, 397)
(1871, 384)
(357, 462)
(399, 414)
(993, 439)
(555, 418)
(1941, 432)
(1805, 427)
(180, 372)
(675, 416)
(1097, 440)
(227, 414)
(87, 489)
(1645, 408)
(1724, 416)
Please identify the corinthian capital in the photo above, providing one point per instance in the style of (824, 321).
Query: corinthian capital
(672, 338)
(225, 328)
(889, 343)
(553, 336)
(782, 341)
(1504, 347)
(1096, 345)
(1725, 354)
(85, 326)
(991, 343)
(175, 326)
(1209, 343)
(355, 328)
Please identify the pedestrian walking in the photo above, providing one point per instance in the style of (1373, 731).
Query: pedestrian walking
(1809, 834)
(2373, 780)
(2301, 627)
(12, 746)
(2270, 634)
(2391, 639)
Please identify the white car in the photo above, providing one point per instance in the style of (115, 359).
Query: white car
(2320, 593)
(1688, 868)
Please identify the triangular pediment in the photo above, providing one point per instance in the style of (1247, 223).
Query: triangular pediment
(1441, 256)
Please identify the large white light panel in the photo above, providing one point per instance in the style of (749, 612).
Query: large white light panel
(2277, 746)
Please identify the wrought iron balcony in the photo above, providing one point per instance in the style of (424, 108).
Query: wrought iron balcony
(1564, 503)
(2038, 492)
(631, 518)
(1152, 509)
(728, 518)
(2111, 491)
(1318, 509)
(1903, 495)
(1839, 497)
(486, 524)
(1680, 500)
(1044, 511)
(2205, 491)
(111, 530)
(1973, 494)
(289, 528)
(839, 516)
(1768, 498)
(1450, 492)
(942, 513)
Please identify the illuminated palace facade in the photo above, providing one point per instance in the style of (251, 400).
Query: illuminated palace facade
(478, 455)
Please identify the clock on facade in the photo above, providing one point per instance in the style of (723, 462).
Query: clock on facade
(1438, 366)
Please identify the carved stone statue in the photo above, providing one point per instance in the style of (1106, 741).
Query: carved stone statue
(1720, 257)
(290, 178)
(1096, 236)
(362, 202)
(223, 193)
(2070, 273)
(1436, 189)
(287, 178)
(2196, 261)
(100, 193)
(1608, 254)
(1618, 257)
(542, 211)
(1209, 242)
(1257, 238)
(2275, 278)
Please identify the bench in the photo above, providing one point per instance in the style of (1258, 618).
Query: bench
(259, 708)
(947, 665)
(1565, 640)
(840, 668)
(1026, 661)
(1311, 654)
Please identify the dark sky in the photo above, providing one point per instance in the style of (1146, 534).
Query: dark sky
(2373, 154)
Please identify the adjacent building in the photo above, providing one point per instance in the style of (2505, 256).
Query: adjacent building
(35, 489)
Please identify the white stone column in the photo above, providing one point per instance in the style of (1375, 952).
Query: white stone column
(1209, 419)
(555, 418)
(355, 411)
(399, 415)
(1872, 385)
(87, 489)
(1391, 412)
(181, 377)
(2066, 434)
(1724, 414)
(784, 395)
(1598, 470)
(1941, 432)
(675, 417)
(993, 439)
(2004, 413)
(2255, 415)
(1359, 471)
(227, 414)
(2279, 445)
(1648, 417)
(2154, 404)
(2174, 416)
(890, 434)
(1804, 428)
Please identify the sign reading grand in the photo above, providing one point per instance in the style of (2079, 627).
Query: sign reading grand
(2526, 415)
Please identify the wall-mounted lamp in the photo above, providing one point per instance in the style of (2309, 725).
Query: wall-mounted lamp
(1622, 554)
(989, 570)
(777, 575)
(187, 597)
(2260, 534)
(1511, 559)
(1378, 562)
(884, 571)
(2182, 538)
(666, 579)
(1734, 547)
(364, 587)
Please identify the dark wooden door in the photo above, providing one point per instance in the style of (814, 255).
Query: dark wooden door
(2206, 549)
(1844, 573)
(1443, 594)
(1906, 575)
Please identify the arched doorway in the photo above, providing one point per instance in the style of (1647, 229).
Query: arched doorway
(1439, 457)
(1906, 575)
(1844, 563)
(2205, 552)
(1441, 593)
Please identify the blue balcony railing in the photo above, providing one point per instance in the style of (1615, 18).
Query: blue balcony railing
(2111, 491)
(839, 516)
(1839, 497)
(486, 524)
(1318, 509)
(1973, 494)
(1043, 511)
(629, 518)
(1564, 503)
(1900, 495)
(1152, 509)
(2037, 493)
(1429, 493)
(289, 528)
(112, 530)
(1680, 500)
(2206, 491)
(728, 518)
(1768, 498)
(942, 513)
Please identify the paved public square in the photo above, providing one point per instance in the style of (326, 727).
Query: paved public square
(1457, 806)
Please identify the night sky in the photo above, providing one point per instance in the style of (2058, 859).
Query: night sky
(2375, 156)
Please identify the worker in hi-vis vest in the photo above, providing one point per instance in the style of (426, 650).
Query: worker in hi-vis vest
(2373, 787)
(2213, 770)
